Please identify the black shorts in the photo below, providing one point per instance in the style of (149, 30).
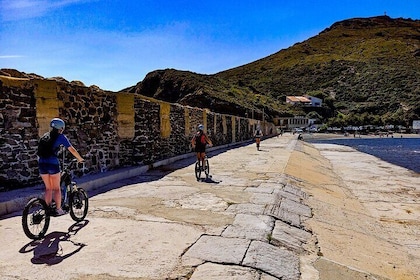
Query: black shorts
(200, 149)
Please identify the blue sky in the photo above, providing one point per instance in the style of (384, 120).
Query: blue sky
(114, 44)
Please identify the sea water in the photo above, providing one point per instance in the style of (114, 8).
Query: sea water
(404, 152)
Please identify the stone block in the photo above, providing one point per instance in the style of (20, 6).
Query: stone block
(218, 249)
(246, 208)
(290, 237)
(279, 262)
(296, 207)
(212, 271)
(254, 227)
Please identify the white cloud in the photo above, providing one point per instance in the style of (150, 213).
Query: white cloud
(10, 56)
(11, 10)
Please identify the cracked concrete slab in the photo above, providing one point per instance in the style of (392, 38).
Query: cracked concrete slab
(247, 208)
(212, 271)
(252, 227)
(278, 262)
(217, 249)
(290, 237)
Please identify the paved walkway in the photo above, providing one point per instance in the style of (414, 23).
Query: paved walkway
(245, 222)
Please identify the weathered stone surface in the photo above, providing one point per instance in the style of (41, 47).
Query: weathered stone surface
(295, 190)
(211, 271)
(283, 215)
(288, 207)
(263, 198)
(218, 249)
(281, 194)
(295, 207)
(247, 208)
(290, 237)
(253, 227)
(202, 201)
(275, 261)
(145, 225)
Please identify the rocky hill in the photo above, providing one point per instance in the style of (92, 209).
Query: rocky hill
(367, 70)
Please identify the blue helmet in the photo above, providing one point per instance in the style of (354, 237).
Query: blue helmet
(57, 123)
(200, 127)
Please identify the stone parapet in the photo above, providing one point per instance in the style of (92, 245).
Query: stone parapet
(111, 130)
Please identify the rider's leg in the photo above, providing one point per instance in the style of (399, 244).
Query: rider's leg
(203, 162)
(55, 185)
(48, 188)
(52, 186)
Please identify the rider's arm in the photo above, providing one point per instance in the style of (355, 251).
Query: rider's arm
(193, 141)
(75, 153)
(208, 140)
(63, 140)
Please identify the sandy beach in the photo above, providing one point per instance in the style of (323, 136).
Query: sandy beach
(366, 214)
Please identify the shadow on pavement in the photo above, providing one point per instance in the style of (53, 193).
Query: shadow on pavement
(49, 250)
(209, 180)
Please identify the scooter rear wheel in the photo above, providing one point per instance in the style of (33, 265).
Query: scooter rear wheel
(35, 218)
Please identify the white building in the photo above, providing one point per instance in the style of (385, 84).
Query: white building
(291, 123)
(315, 102)
(304, 101)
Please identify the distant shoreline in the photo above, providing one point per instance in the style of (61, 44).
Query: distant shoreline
(399, 149)
(326, 136)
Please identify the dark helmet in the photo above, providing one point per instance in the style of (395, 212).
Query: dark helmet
(200, 127)
(57, 123)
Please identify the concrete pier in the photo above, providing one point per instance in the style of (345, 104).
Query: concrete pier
(289, 211)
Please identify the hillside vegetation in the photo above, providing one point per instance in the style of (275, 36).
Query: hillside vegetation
(367, 71)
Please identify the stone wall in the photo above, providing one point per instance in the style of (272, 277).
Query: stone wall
(111, 130)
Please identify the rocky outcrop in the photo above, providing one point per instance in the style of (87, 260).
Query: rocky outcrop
(357, 66)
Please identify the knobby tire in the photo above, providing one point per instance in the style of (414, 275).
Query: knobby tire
(79, 204)
(35, 218)
(207, 169)
(197, 170)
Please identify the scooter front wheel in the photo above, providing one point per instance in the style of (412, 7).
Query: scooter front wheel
(207, 169)
(79, 204)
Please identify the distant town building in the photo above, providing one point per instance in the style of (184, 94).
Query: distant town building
(304, 101)
(315, 102)
(416, 126)
(292, 123)
(298, 100)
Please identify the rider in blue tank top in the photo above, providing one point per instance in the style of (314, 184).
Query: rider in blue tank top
(49, 167)
(62, 140)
